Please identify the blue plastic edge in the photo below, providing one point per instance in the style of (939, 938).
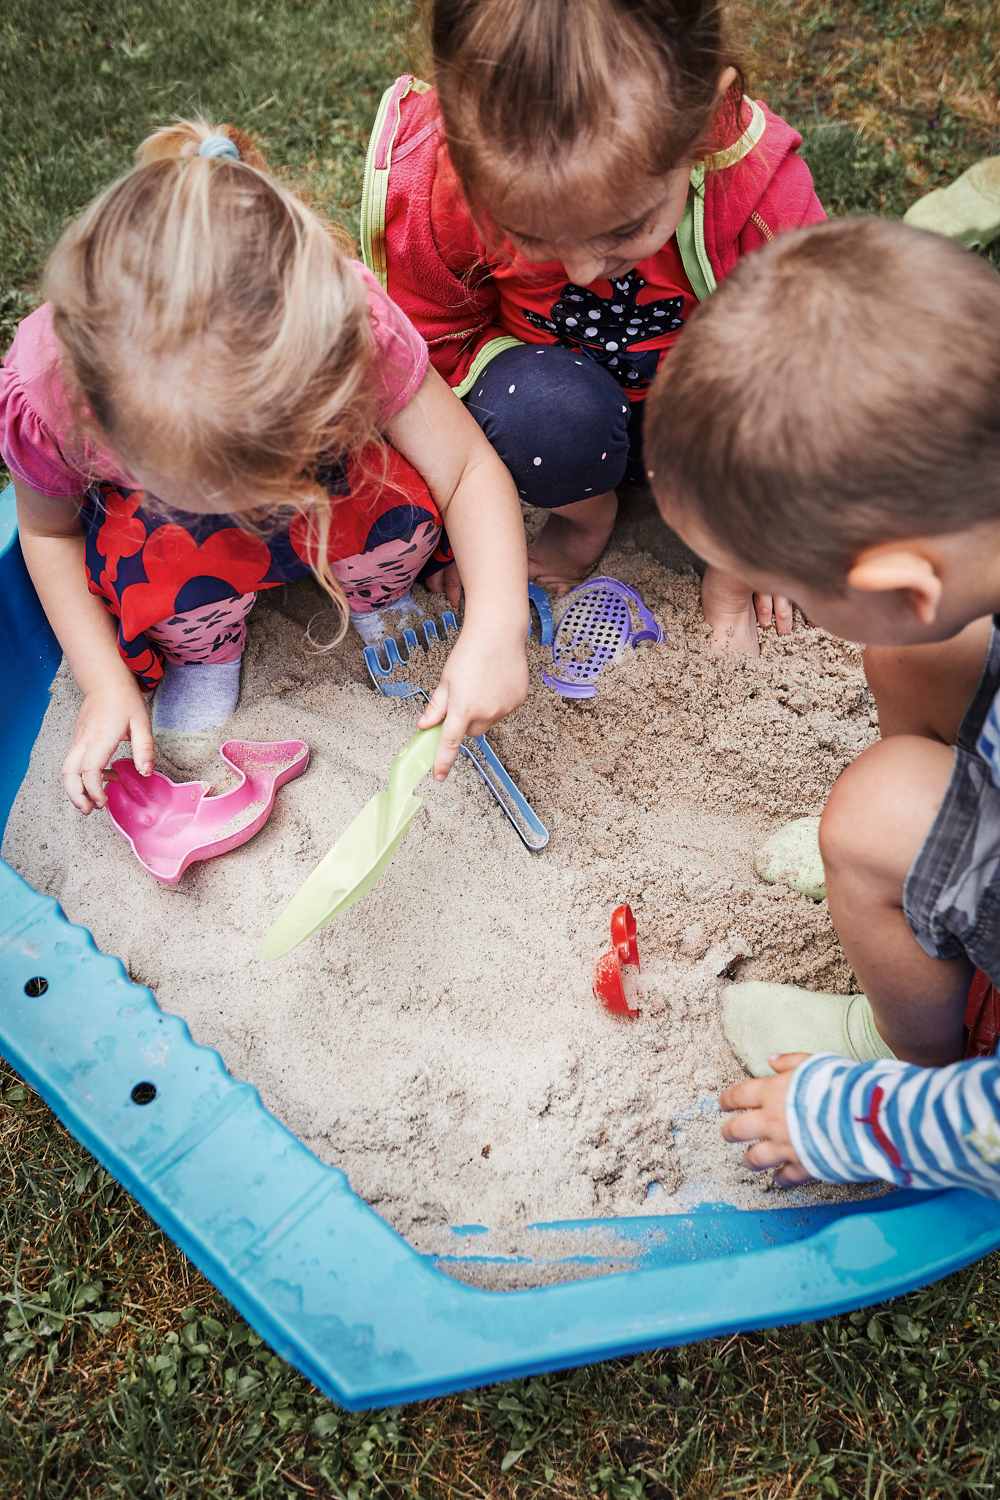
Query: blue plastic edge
(310, 1266)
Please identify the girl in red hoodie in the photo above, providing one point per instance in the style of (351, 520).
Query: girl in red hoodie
(584, 175)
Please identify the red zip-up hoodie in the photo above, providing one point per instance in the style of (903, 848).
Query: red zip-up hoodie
(419, 238)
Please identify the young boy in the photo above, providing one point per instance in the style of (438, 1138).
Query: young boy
(855, 467)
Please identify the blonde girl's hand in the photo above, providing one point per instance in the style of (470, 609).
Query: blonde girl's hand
(108, 716)
(54, 549)
(484, 679)
(764, 1120)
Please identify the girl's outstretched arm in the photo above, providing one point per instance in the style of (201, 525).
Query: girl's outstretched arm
(486, 675)
(113, 708)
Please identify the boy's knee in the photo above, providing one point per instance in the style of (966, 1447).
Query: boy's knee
(882, 807)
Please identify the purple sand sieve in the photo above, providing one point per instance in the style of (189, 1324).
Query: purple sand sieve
(599, 618)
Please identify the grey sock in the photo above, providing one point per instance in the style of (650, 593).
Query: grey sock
(371, 625)
(196, 695)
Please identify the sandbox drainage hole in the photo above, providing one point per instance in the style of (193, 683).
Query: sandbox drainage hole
(144, 1093)
(36, 986)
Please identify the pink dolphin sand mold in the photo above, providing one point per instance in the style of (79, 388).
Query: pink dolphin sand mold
(171, 824)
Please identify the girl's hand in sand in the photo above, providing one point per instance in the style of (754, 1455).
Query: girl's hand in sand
(447, 582)
(764, 1120)
(113, 708)
(108, 716)
(484, 679)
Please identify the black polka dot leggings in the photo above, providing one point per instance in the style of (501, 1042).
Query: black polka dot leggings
(560, 423)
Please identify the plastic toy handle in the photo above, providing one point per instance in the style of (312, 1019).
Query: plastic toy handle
(650, 631)
(527, 825)
(623, 932)
(540, 599)
(410, 767)
(608, 987)
(570, 689)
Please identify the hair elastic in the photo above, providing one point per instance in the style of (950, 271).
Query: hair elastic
(219, 145)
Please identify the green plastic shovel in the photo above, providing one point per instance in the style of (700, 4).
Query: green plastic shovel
(360, 856)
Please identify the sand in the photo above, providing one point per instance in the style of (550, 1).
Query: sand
(440, 1042)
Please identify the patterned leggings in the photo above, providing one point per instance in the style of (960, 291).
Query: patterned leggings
(216, 633)
(181, 585)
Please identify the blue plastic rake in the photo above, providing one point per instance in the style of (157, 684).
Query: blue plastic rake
(527, 825)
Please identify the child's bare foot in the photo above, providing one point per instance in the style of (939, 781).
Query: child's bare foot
(734, 613)
(729, 609)
(571, 541)
(766, 604)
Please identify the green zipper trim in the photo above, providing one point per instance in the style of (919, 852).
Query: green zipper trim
(375, 190)
(691, 238)
(489, 351)
(691, 229)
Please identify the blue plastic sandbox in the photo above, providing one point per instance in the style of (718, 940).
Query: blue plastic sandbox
(310, 1266)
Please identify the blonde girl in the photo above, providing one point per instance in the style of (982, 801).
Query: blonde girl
(584, 174)
(214, 400)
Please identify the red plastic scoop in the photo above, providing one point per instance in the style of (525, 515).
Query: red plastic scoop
(608, 985)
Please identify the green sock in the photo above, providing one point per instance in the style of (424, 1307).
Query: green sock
(761, 1019)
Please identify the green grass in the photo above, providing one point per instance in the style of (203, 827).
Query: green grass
(82, 84)
(124, 1373)
(127, 1375)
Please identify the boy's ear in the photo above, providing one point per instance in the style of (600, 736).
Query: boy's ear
(900, 570)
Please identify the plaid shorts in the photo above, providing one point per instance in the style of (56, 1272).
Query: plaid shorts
(951, 899)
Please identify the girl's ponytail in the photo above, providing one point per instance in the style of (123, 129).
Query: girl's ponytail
(214, 329)
(183, 141)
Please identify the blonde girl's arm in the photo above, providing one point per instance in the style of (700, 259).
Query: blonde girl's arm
(113, 708)
(486, 675)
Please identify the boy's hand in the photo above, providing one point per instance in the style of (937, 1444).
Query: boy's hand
(108, 716)
(763, 1099)
(484, 679)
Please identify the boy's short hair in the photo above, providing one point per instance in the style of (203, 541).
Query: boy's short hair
(840, 390)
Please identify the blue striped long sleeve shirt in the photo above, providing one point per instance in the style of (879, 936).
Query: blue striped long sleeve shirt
(918, 1127)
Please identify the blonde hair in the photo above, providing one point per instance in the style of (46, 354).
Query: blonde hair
(632, 84)
(216, 332)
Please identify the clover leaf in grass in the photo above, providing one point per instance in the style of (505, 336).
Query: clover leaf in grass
(189, 1338)
(908, 1329)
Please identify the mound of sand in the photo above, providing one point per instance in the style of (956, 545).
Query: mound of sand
(440, 1042)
